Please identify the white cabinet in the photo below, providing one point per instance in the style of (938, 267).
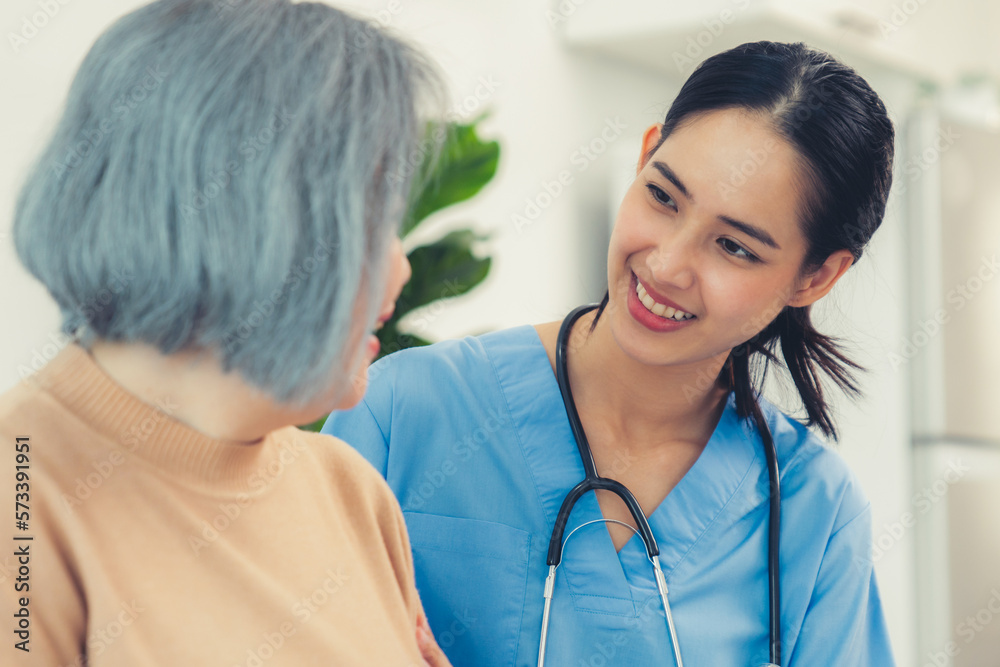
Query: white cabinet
(913, 36)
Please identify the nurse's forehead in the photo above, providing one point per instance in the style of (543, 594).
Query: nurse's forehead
(732, 164)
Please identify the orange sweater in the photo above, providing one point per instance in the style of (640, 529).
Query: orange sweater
(156, 545)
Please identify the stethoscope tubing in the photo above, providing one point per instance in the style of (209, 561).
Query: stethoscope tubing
(593, 482)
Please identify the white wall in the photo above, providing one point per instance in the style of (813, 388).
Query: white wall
(547, 102)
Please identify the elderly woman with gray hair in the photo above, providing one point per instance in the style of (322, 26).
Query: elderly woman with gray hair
(216, 218)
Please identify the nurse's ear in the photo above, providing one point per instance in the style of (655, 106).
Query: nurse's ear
(815, 285)
(650, 139)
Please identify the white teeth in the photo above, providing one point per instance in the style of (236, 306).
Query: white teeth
(658, 308)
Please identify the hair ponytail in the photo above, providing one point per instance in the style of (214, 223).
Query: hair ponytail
(807, 355)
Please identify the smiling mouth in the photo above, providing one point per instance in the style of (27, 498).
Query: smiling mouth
(659, 309)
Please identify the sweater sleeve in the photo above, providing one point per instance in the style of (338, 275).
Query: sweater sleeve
(844, 623)
(402, 558)
(387, 513)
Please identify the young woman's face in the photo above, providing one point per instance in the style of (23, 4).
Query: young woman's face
(707, 247)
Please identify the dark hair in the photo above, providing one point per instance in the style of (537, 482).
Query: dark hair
(841, 131)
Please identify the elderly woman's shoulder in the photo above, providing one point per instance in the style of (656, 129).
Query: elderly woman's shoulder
(339, 464)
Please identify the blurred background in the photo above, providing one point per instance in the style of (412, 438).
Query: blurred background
(569, 87)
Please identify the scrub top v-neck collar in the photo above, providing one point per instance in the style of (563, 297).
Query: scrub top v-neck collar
(601, 579)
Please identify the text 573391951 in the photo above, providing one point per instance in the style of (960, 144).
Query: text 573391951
(22, 542)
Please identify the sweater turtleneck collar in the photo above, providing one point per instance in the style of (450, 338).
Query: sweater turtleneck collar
(151, 433)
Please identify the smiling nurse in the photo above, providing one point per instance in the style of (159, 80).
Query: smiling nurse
(708, 275)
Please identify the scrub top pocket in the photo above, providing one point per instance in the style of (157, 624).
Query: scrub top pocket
(468, 624)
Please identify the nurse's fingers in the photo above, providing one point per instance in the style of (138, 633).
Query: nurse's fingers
(431, 652)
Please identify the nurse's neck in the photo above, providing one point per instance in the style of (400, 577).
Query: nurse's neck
(641, 402)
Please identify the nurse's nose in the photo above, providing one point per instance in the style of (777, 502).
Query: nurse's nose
(671, 263)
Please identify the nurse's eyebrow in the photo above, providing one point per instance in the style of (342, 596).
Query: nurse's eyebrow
(745, 227)
(669, 174)
(750, 230)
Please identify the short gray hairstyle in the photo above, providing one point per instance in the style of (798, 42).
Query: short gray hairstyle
(227, 175)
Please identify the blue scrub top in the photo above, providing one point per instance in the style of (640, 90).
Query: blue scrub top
(473, 438)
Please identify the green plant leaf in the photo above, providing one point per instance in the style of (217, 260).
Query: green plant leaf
(465, 164)
(315, 426)
(392, 339)
(447, 268)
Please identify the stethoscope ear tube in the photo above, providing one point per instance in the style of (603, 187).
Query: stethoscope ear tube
(562, 377)
(774, 539)
(591, 481)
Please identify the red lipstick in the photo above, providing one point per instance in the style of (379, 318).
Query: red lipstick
(651, 321)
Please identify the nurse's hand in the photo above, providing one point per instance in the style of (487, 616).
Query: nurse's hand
(432, 653)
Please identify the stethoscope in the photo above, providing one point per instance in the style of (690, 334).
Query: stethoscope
(593, 482)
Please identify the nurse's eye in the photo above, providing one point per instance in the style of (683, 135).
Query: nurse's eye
(660, 196)
(733, 248)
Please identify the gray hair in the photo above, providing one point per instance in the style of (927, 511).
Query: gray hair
(227, 175)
